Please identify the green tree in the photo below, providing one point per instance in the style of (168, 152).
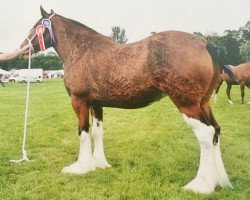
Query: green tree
(245, 51)
(50, 61)
(245, 32)
(17, 63)
(232, 46)
(245, 42)
(118, 35)
(230, 43)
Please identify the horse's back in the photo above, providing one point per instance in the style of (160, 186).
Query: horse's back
(242, 72)
(174, 63)
(165, 56)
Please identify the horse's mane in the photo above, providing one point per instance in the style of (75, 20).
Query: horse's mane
(78, 24)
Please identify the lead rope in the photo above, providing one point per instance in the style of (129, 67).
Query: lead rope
(25, 158)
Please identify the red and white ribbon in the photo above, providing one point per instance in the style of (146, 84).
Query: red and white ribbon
(39, 31)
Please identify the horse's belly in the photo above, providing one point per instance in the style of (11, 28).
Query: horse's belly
(129, 101)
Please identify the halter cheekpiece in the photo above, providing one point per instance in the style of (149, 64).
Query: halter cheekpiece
(39, 31)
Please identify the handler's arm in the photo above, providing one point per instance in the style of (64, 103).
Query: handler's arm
(14, 54)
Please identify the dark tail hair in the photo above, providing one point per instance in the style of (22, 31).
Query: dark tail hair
(218, 57)
(217, 53)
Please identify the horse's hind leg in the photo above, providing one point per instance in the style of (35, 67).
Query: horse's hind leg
(248, 85)
(85, 162)
(221, 172)
(229, 87)
(207, 177)
(97, 134)
(217, 88)
(207, 111)
(242, 89)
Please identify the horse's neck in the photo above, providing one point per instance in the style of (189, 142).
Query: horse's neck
(74, 40)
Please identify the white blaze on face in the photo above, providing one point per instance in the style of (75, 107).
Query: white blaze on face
(98, 154)
(211, 171)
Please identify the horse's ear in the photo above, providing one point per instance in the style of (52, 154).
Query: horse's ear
(52, 11)
(43, 12)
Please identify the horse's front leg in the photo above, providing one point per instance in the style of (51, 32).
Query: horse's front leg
(229, 86)
(85, 162)
(97, 134)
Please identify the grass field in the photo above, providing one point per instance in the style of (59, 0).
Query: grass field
(152, 151)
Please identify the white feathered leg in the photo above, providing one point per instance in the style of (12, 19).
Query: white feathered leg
(85, 162)
(211, 171)
(221, 172)
(98, 154)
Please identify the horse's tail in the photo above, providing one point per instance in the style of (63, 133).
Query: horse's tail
(218, 57)
(217, 54)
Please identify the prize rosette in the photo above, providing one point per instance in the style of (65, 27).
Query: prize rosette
(39, 31)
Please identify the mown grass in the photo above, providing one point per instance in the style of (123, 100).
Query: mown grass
(152, 151)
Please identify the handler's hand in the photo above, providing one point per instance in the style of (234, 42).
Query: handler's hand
(25, 49)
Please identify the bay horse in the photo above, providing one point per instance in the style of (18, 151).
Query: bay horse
(242, 72)
(100, 73)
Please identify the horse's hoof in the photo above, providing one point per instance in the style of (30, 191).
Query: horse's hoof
(230, 102)
(79, 168)
(101, 163)
(199, 186)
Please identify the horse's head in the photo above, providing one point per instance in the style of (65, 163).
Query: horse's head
(42, 32)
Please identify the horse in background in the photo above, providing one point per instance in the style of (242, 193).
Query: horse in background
(242, 72)
(100, 73)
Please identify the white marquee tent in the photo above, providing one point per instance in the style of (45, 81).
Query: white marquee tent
(4, 72)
